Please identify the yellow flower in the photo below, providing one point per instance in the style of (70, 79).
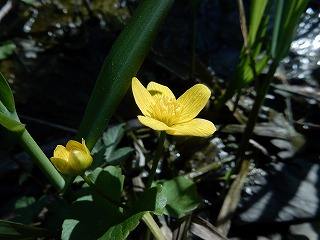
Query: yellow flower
(73, 159)
(163, 112)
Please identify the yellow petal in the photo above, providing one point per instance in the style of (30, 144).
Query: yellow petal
(73, 145)
(73, 159)
(193, 101)
(142, 96)
(79, 161)
(84, 147)
(153, 123)
(196, 127)
(61, 152)
(61, 164)
(157, 90)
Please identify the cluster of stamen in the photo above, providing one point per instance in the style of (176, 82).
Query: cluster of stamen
(166, 110)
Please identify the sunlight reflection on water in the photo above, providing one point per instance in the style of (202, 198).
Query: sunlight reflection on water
(305, 49)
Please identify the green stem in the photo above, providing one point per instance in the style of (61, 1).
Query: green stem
(94, 187)
(261, 93)
(41, 160)
(153, 226)
(233, 196)
(156, 159)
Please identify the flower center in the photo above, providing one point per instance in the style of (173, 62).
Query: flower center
(166, 110)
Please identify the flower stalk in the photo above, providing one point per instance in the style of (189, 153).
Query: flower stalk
(153, 226)
(156, 160)
(41, 160)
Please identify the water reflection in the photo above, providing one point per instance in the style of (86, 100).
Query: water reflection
(305, 49)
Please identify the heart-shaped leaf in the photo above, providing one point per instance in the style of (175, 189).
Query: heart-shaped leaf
(181, 196)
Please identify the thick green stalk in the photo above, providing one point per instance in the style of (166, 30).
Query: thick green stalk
(10, 121)
(153, 226)
(121, 64)
(41, 160)
(156, 160)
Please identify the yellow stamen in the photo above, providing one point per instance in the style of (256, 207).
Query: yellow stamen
(166, 110)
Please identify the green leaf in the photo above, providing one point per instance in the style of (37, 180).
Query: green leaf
(121, 64)
(93, 217)
(105, 152)
(151, 200)
(7, 105)
(287, 17)
(119, 155)
(181, 196)
(121, 231)
(25, 210)
(11, 230)
(24, 202)
(111, 139)
(110, 176)
(6, 49)
(11, 124)
(6, 96)
(98, 157)
(257, 9)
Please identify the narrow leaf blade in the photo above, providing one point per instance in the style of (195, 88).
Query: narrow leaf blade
(121, 64)
(6, 96)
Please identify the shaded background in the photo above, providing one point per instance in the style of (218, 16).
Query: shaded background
(59, 49)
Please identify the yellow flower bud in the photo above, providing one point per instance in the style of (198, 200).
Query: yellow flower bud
(73, 159)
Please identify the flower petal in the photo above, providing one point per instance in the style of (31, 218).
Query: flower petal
(84, 147)
(193, 101)
(153, 123)
(61, 152)
(74, 145)
(196, 127)
(156, 90)
(79, 161)
(142, 96)
(61, 164)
